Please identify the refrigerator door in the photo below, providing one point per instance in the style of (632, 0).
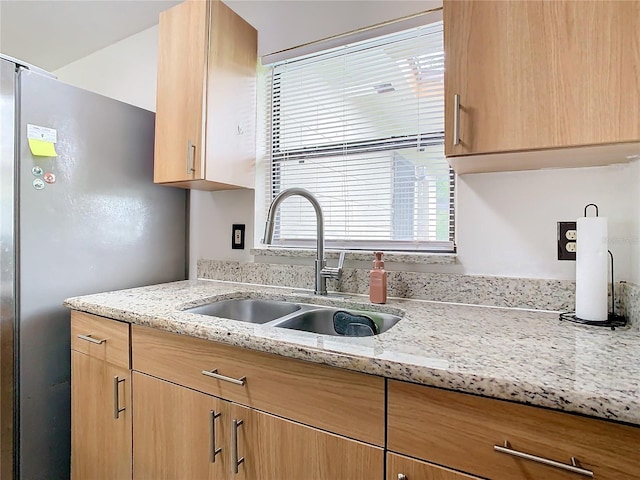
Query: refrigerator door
(92, 221)
(7, 265)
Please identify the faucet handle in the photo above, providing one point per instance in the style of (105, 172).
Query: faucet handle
(334, 272)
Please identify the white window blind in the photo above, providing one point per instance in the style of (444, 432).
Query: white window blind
(362, 127)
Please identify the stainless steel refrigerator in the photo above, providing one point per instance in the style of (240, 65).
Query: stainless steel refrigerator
(85, 221)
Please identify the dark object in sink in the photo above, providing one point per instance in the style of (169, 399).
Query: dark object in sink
(353, 325)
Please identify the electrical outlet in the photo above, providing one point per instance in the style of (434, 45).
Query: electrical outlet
(237, 236)
(567, 240)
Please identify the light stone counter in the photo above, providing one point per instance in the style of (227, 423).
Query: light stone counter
(520, 355)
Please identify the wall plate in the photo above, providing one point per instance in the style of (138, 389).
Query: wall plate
(237, 236)
(567, 240)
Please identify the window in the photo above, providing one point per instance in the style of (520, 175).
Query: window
(362, 127)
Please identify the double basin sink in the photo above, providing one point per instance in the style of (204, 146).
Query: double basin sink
(297, 316)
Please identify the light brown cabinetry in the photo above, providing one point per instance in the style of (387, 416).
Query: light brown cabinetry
(302, 391)
(100, 399)
(462, 431)
(280, 416)
(206, 98)
(274, 449)
(400, 467)
(535, 75)
(179, 433)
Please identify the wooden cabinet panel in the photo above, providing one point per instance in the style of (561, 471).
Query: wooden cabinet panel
(110, 338)
(539, 74)
(100, 443)
(206, 98)
(277, 449)
(231, 101)
(180, 101)
(348, 403)
(460, 431)
(405, 468)
(174, 435)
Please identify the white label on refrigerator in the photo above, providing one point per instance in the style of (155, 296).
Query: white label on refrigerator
(35, 132)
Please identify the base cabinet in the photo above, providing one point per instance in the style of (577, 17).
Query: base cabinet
(177, 431)
(273, 448)
(404, 468)
(180, 433)
(101, 411)
(140, 410)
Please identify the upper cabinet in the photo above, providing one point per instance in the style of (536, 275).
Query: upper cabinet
(206, 100)
(532, 75)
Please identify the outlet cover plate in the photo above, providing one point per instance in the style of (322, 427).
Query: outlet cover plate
(237, 236)
(563, 241)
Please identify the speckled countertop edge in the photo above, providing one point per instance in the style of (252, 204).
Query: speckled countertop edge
(520, 355)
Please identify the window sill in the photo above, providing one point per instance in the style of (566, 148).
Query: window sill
(391, 257)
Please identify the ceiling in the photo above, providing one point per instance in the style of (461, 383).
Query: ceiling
(54, 33)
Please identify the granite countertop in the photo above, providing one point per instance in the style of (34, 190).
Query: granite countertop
(520, 355)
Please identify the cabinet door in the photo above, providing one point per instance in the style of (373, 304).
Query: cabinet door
(540, 74)
(100, 442)
(271, 448)
(178, 433)
(180, 101)
(405, 468)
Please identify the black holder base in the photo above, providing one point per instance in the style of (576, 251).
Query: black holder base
(612, 322)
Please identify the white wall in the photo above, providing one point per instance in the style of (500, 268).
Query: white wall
(125, 70)
(506, 222)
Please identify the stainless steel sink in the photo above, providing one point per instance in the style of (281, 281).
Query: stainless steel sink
(320, 320)
(251, 310)
(294, 316)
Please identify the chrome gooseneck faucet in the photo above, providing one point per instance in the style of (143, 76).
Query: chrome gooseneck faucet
(322, 271)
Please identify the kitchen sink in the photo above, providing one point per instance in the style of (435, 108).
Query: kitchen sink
(295, 316)
(320, 320)
(247, 309)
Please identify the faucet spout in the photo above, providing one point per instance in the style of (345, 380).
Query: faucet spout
(321, 273)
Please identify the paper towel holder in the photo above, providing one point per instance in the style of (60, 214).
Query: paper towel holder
(613, 320)
(591, 205)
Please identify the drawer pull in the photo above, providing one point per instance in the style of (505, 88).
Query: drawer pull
(214, 373)
(116, 397)
(89, 338)
(234, 441)
(402, 476)
(574, 467)
(214, 451)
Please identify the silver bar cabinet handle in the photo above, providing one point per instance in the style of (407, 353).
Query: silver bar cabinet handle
(214, 451)
(89, 338)
(456, 119)
(574, 467)
(234, 440)
(116, 400)
(214, 373)
(191, 153)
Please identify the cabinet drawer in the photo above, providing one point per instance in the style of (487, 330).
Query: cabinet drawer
(101, 338)
(461, 430)
(344, 402)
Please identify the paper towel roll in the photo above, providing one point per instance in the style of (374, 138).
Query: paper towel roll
(592, 268)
